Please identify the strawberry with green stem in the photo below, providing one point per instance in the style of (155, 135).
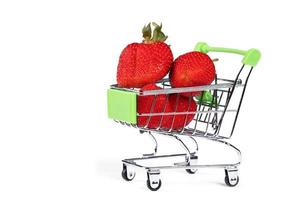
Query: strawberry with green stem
(146, 62)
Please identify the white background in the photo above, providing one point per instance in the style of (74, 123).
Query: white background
(57, 58)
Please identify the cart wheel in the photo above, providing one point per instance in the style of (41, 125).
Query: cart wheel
(127, 175)
(231, 178)
(153, 180)
(153, 186)
(193, 161)
(232, 182)
(191, 171)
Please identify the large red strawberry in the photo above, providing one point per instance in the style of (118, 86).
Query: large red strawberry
(192, 69)
(146, 62)
(167, 105)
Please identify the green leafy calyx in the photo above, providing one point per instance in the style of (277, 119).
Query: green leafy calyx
(155, 35)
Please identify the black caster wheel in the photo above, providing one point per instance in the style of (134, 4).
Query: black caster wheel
(153, 186)
(233, 181)
(193, 161)
(231, 177)
(191, 171)
(127, 175)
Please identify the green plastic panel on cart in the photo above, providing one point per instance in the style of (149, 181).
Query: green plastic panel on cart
(121, 105)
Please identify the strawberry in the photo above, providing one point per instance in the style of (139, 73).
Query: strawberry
(146, 62)
(192, 69)
(145, 104)
(164, 104)
(184, 104)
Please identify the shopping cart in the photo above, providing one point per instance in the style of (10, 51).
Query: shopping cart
(213, 106)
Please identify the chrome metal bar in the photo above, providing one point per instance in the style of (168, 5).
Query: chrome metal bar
(196, 143)
(219, 79)
(173, 117)
(181, 113)
(228, 80)
(151, 110)
(195, 166)
(135, 90)
(186, 115)
(155, 147)
(229, 97)
(188, 155)
(180, 90)
(153, 157)
(164, 109)
(188, 89)
(197, 117)
(241, 100)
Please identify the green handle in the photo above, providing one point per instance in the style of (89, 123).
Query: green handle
(251, 57)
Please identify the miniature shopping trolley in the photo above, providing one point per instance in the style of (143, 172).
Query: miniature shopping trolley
(217, 101)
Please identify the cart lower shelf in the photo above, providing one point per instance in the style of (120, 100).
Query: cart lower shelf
(190, 165)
